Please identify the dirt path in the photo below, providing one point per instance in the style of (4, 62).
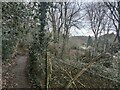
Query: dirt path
(19, 71)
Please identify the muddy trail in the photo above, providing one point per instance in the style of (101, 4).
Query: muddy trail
(21, 79)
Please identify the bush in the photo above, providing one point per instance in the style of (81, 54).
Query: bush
(7, 49)
(74, 47)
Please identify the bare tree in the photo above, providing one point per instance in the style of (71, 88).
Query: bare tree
(114, 8)
(97, 19)
(55, 18)
(63, 16)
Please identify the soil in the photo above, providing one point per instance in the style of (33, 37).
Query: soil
(19, 70)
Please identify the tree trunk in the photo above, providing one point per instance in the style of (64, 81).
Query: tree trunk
(54, 29)
(118, 30)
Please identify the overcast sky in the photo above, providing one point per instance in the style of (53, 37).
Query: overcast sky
(82, 32)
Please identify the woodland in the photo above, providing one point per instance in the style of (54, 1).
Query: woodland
(40, 51)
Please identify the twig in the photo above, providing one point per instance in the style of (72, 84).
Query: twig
(68, 75)
(81, 83)
(84, 69)
(50, 70)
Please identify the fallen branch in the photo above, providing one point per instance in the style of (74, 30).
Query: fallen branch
(81, 83)
(67, 74)
(49, 69)
(94, 60)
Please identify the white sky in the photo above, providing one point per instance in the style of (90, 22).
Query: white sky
(62, 0)
(82, 32)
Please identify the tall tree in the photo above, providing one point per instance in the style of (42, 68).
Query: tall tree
(96, 14)
(114, 8)
(71, 19)
(39, 45)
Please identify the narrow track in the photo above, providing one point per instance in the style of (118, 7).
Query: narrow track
(20, 72)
